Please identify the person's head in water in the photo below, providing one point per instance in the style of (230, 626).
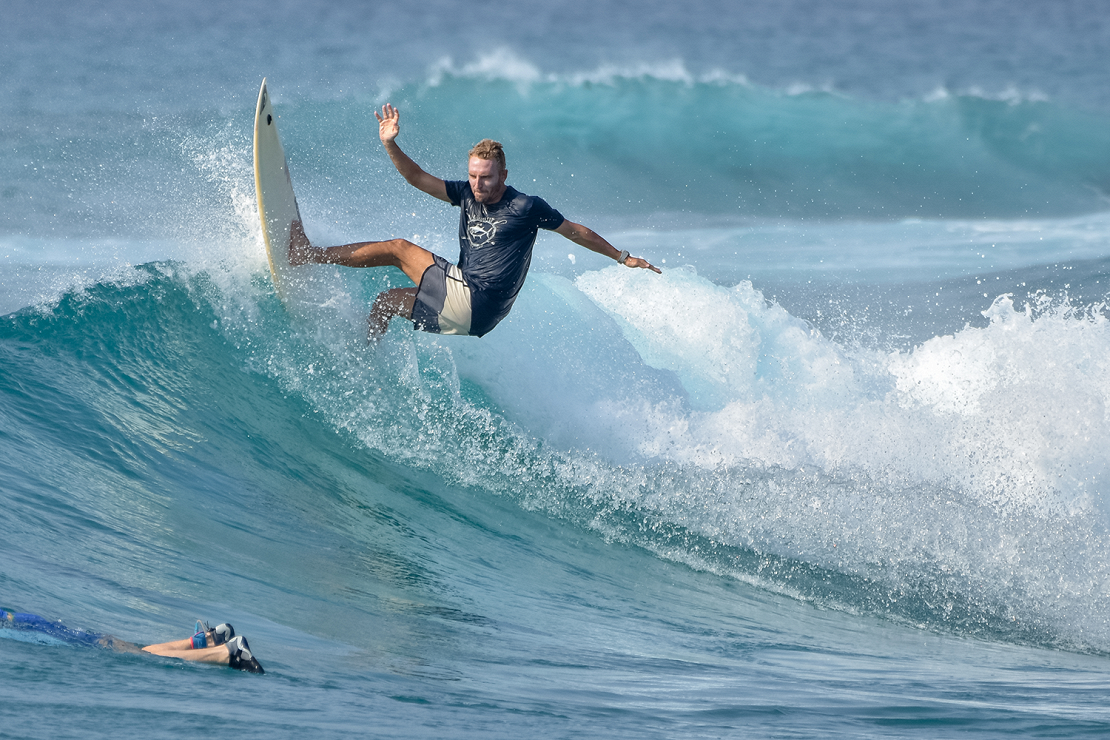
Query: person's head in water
(486, 170)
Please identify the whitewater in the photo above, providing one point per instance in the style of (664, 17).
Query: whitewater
(839, 471)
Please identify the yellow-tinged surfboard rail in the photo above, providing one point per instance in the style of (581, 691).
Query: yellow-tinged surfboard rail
(277, 203)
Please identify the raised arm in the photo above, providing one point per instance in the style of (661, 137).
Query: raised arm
(388, 128)
(589, 239)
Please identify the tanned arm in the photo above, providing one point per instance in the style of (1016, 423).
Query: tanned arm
(589, 239)
(388, 128)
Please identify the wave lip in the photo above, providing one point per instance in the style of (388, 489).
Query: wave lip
(505, 64)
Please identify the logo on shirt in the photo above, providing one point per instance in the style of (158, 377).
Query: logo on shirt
(483, 231)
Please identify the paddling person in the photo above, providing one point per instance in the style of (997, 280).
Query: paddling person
(217, 644)
(497, 230)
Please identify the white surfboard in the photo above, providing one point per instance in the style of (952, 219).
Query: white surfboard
(277, 205)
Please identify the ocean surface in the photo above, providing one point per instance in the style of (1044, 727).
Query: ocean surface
(840, 471)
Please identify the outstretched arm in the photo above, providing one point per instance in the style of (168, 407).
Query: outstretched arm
(589, 239)
(388, 128)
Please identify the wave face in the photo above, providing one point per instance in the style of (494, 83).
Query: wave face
(958, 483)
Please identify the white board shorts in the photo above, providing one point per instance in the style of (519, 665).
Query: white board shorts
(443, 302)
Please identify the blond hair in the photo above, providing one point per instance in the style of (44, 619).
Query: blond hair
(491, 150)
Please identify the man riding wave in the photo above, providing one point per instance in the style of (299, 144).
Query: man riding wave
(497, 230)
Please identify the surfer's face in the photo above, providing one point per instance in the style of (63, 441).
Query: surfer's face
(487, 179)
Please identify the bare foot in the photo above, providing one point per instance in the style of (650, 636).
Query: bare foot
(301, 251)
(388, 305)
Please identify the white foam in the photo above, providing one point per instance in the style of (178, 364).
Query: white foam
(506, 64)
(1021, 405)
(725, 344)
(1011, 94)
(1014, 413)
(500, 64)
(975, 462)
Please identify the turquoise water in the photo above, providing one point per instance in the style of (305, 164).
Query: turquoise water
(840, 471)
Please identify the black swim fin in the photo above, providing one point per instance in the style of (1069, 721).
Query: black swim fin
(240, 657)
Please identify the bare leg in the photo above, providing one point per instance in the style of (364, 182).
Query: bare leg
(388, 305)
(186, 644)
(218, 654)
(212, 638)
(410, 258)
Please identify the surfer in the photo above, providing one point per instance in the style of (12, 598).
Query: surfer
(497, 230)
(217, 644)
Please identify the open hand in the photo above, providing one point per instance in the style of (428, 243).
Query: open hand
(388, 126)
(641, 262)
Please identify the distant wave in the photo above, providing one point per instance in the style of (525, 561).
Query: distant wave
(656, 137)
(627, 143)
(505, 64)
(508, 65)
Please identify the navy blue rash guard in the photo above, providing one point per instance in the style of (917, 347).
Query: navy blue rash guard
(495, 247)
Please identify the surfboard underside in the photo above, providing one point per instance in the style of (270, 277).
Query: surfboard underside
(277, 204)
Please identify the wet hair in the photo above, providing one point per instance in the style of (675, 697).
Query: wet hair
(491, 150)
